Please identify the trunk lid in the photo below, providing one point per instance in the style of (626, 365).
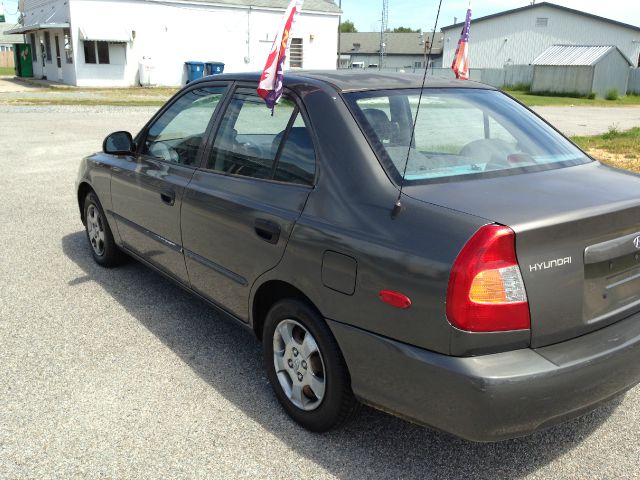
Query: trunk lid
(577, 241)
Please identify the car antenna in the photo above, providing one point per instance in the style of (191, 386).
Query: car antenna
(397, 208)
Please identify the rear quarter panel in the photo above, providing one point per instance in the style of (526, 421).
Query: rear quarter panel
(350, 212)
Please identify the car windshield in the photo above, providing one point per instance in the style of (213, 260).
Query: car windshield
(460, 133)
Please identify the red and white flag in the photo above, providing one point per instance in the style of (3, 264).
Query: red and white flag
(270, 86)
(460, 64)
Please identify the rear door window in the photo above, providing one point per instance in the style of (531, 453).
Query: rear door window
(253, 142)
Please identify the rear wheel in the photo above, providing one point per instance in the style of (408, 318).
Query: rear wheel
(306, 368)
(103, 247)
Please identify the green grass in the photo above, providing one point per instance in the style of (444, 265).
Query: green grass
(620, 149)
(6, 71)
(533, 100)
(114, 102)
(124, 91)
(65, 95)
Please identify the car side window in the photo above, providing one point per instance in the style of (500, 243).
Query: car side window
(250, 138)
(177, 134)
(297, 161)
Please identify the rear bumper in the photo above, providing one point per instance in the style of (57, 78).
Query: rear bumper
(498, 396)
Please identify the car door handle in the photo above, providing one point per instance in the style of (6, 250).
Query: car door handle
(267, 230)
(168, 197)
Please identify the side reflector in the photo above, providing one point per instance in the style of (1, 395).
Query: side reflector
(395, 299)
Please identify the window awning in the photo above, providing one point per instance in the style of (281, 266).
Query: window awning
(36, 26)
(104, 33)
(42, 21)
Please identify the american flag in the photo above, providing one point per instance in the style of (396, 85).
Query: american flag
(461, 61)
(270, 86)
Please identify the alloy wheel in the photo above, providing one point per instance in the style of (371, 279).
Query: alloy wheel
(299, 365)
(95, 230)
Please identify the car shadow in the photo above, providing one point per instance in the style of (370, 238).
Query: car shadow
(373, 445)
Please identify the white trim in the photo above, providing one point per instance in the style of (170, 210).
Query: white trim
(237, 7)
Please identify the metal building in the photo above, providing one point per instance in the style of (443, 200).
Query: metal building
(406, 51)
(517, 37)
(581, 69)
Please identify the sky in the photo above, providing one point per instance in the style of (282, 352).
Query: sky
(422, 13)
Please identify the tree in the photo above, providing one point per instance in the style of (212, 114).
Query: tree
(406, 30)
(348, 27)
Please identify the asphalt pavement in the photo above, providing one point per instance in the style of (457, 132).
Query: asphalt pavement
(120, 374)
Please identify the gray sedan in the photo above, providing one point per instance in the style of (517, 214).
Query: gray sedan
(440, 253)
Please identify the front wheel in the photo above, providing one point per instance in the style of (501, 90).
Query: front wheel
(306, 368)
(103, 247)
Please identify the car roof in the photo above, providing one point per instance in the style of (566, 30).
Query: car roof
(357, 81)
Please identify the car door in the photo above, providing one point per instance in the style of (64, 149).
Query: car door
(147, 188)
(240, 208)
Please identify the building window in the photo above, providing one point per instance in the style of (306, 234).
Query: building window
(417, 65)
(68, 46)
(89, 51)
(96, 52)
(47, 46)
(542, 22)
(295, 53)
(32, 40)
(103, 52)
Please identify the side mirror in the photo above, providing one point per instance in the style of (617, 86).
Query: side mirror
(118, 143)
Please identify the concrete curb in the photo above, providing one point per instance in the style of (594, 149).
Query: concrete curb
(41, 83)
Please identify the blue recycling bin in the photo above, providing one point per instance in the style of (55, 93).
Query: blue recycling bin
(195, 70)
(214, 68)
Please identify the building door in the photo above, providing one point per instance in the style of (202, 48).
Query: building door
(58, 58)
(43, 59)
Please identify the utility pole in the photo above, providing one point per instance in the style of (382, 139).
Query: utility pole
(383, 30)
(339, 34)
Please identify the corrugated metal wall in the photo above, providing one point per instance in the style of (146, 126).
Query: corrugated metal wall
(563, 79)
(523, 75)
(611, 72)
(515, 39)
(509, 76)
(634, 82)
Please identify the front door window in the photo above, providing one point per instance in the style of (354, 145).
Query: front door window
(176, 136)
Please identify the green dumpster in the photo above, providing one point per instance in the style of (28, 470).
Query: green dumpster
(22, 57)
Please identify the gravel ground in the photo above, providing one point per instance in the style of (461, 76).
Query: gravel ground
(121, 374)
(586, 121)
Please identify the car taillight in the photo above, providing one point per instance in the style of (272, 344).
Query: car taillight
(486, 292)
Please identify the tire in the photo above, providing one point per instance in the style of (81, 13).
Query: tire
(306, 368)
(101, 243)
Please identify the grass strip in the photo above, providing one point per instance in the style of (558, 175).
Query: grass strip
(617, 148)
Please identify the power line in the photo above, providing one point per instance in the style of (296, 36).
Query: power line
(9, 13)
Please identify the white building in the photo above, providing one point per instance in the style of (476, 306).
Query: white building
(517, 37)
(102, 42)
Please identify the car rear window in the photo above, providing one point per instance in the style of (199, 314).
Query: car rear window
(459, 134)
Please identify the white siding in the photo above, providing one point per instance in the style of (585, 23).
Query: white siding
(516, 39)
(171, 34)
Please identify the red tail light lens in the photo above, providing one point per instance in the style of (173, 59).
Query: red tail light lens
(486, 292)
